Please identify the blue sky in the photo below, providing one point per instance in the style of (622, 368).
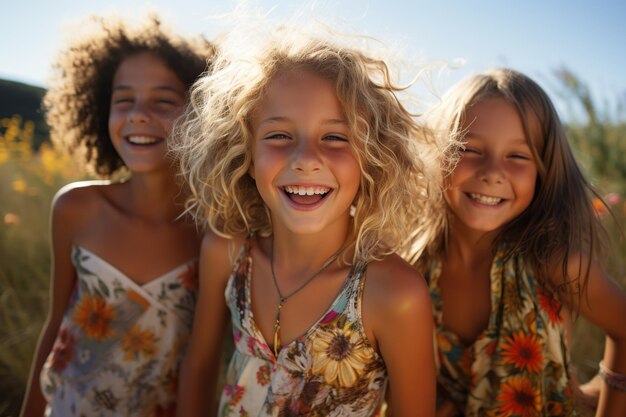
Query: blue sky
(533, 36)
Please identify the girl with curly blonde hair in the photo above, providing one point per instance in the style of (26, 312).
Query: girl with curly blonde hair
(124, 274)
(311, 174)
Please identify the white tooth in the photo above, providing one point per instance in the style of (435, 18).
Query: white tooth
(301, 190)
(141, 139)
(483, 199)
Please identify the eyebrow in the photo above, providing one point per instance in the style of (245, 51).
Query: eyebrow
(479, 136)
(286, 119)
(158, 88)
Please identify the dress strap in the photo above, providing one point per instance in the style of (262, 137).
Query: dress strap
(354, 295)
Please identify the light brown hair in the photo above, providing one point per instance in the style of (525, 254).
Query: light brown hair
(560, 221)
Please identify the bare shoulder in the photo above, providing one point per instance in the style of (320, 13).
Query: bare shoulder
(580, 267)
(76, 204)
(397, 285)
(218, 253)
(215, 246)
(77, 197)
(396, 304)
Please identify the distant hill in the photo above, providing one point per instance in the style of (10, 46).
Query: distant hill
(25, 100)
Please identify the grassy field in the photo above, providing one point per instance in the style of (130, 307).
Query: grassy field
(28, 182)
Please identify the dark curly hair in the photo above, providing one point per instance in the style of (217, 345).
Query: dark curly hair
(77, 103)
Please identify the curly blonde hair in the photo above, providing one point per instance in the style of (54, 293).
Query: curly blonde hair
(560, 220)
(78, 101)
(398, 157)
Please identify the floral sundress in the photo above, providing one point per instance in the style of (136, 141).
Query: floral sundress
(120, 344)
(519, 365)
(331, 370)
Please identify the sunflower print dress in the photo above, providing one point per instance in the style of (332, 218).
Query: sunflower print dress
(331, 370)
(519, 365)
(120, 344)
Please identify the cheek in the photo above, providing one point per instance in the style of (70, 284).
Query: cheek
(167, 119)
(531, 186)
(455, 178)
(350, 171)
(115, 124)
(118, 115)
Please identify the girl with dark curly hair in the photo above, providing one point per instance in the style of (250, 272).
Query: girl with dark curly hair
(124, 256)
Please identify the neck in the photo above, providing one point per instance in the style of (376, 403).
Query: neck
(154, 197)
(470, 247)
(304, 254)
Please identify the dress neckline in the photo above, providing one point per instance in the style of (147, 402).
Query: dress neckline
(172, 272)
(255, 329)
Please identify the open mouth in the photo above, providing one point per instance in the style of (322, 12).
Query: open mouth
(485, 200)
(143, 140)
(306, 195)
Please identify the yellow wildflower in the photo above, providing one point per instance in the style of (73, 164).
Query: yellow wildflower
(19, 185)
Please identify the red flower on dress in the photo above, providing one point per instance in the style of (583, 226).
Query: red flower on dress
(263, 375)
(552, 307)
(63, 350)
(518, 397)
(523, 351)
(189, 277)
(235, 392)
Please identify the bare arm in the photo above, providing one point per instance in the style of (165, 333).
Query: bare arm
(200, 368)
(401, 319)
(63, 221)
(604, 304)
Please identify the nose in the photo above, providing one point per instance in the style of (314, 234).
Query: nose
(306, 156)
(138, 113)
(491, 171)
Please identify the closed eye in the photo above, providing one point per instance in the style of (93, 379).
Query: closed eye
(467, 149)
(520, 156)
(278, 136)
(335, 138)
(167, 101)
(122, 100)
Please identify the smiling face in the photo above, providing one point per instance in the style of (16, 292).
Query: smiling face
(147, 96)
(305, 168)
(494, 181)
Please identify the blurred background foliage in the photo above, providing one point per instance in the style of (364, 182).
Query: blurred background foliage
(31, 171)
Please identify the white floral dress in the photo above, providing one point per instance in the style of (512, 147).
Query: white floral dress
(331, 370)
(119, 346)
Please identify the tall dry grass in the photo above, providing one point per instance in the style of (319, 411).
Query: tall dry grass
(28, 182)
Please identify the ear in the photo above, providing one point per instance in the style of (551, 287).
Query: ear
(251, 170)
